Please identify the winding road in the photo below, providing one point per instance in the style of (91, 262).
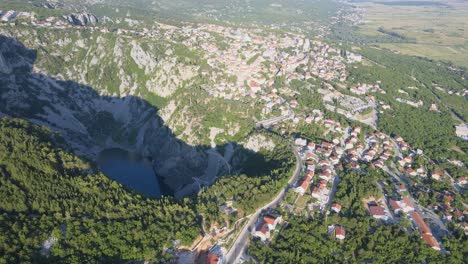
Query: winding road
(424, 212)
(240, 243)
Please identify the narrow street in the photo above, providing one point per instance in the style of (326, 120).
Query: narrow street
(240, 243)
(424, 212)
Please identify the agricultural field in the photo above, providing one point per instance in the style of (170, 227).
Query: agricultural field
(436, 30)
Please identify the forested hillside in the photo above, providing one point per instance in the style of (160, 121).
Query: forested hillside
(55, 206)
(47, 193)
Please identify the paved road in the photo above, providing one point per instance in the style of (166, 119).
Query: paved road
(379, 184)
(397, 148)
(336, 180)
(241, 241)
(269, 122)
(424, 212)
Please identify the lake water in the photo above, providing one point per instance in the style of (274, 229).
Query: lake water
(131, 170)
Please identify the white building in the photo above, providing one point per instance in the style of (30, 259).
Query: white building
(462, 131)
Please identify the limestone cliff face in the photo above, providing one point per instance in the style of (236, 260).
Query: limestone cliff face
(90, 121)
(81, 19)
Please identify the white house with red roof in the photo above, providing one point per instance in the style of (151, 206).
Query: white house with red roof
(303, 185)
(336, 207)
(262, 231)
(411, 172)
(395, 206)
(340, 233)
(378, 212)
(406, 205)
(272, 220)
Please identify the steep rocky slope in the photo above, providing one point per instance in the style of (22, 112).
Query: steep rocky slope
(91, 119)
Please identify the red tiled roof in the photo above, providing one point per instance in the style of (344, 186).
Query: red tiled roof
(407, 202)
(323, 182)
(430, 241)
(376, 210)
(269, 220)
(304, 184)
(394, 204)
(420, 222)
(263, 227)
(340, 231)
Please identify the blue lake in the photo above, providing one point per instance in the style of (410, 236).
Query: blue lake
(131, 170)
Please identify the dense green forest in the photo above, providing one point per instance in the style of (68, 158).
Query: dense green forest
(306, 240)
(264, 176)
(46, 191)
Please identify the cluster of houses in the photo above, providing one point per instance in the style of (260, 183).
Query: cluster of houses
(325, 158)
(381, 211)
(403, 204)
(325, 65)
(320, 160)
(267, 224)
(376, 149)
(406, 164)
(316, 116)
(445, 206)
(401, 143)
(379, 149)
(246, 62)
(364, 88)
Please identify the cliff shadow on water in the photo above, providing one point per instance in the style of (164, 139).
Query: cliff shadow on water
(90, 122)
